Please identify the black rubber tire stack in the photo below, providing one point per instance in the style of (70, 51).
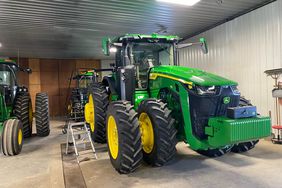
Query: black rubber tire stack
(10, 144)
(164, 132)
(42, 114)
(21, 111)
(101, 102)
(129, 139)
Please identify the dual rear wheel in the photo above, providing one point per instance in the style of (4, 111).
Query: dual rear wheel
(23, 112)
(148, 134)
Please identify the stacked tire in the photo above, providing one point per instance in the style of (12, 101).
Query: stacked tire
(12, 137)
(42, 114)
(23, 112)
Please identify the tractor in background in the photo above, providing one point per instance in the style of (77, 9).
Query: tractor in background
(16, 113)
(150, 103)
(78, 95)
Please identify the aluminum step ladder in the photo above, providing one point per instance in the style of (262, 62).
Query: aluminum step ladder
(80, 135)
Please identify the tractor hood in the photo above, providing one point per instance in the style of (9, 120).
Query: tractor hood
(196, 76)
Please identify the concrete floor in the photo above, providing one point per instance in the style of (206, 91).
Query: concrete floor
(40, 165)
(261, 167)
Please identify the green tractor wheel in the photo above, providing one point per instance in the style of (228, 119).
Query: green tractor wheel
(12, 137)
(157, 132)
(123, 136)
(23, 111)
(95, 112)
(42, 114)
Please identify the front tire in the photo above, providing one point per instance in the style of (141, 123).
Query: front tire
(123, 137)
(42, 114)
(23, 111)
(95, 112)
(157, 132)
(12, 137)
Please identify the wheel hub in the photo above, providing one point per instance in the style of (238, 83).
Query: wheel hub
(113, 137)
(147, 132)
(20, 137)
(89, 113)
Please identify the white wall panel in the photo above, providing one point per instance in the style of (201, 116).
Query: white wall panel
(242, 50)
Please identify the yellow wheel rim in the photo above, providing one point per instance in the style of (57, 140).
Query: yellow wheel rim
(70, 108)
(147, 132)
(20, 137)
(112, 134)
(89, 113)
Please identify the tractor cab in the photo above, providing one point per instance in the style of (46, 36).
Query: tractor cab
(135, 56)
(84, 79)
(141, 52)
(8, 80)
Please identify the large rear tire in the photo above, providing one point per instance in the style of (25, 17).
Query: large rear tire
(23, 111)
(123, 137)
(12, 137)
(157, 132)
(245, 146)
(95, 112)
(42, 114)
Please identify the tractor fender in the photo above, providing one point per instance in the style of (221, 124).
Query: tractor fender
(109, 81)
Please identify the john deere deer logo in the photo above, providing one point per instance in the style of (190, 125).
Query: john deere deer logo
(226, 100)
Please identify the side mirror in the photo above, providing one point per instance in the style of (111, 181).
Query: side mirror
(106, 46)
(28, 70)
(204, 45)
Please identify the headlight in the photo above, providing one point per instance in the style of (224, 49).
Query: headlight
(235, 90)
(203, 90)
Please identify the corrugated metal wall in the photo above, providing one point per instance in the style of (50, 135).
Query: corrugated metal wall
(242, 50)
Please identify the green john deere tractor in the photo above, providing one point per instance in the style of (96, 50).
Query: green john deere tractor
(78, 95)
(16, 110)
(149, 103)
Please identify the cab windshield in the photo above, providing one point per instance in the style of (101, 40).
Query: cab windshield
(85, 81)
(7, 76)
(152, 54)
(146, 55)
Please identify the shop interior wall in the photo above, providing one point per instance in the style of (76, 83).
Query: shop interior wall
(52, 76)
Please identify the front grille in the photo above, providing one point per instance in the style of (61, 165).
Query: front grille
(204, 107)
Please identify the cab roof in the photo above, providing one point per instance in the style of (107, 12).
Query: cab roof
(8, 62)
(151, 36)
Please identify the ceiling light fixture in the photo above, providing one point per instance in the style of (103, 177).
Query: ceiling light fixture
(181, 2)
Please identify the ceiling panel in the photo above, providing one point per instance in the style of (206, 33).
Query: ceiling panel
(74, 29)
